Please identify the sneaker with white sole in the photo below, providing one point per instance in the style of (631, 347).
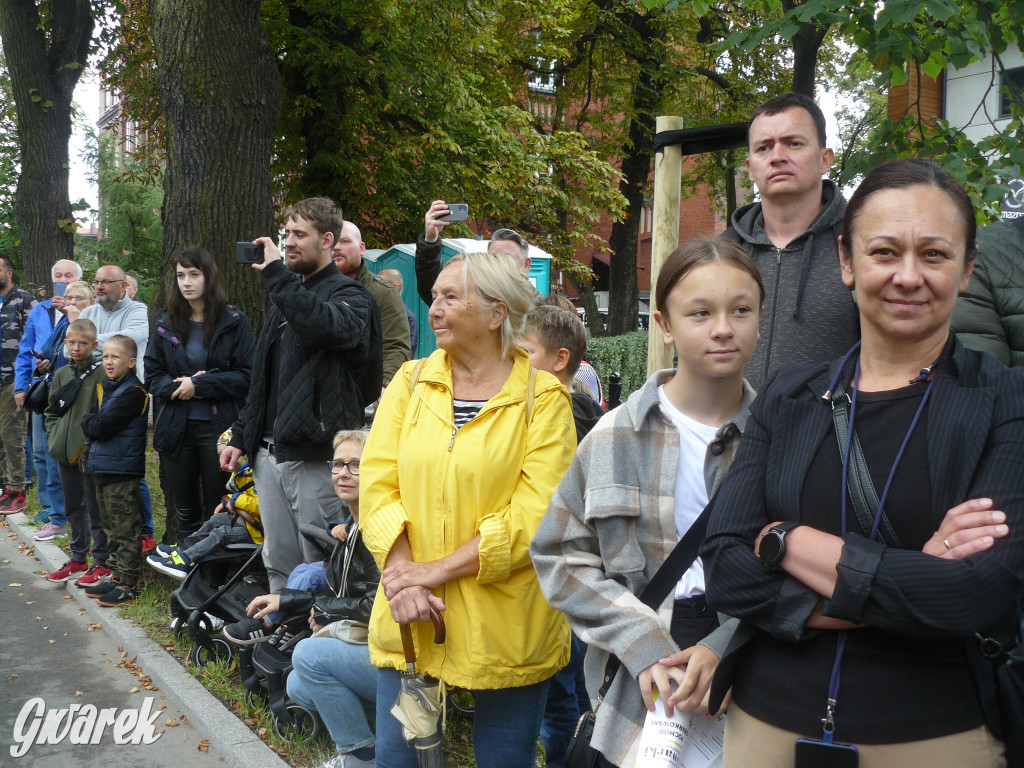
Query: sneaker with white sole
(49, 532)
(175, 565)
(67, 571)
(96, 573)
(248, 631)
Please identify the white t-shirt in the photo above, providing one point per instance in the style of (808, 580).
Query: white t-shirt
(691, 492)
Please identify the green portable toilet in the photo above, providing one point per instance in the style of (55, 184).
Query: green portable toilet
(403, 258)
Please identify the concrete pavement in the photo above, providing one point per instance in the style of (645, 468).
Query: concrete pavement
(53, 651)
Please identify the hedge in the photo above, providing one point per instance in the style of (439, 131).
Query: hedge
(626, 354)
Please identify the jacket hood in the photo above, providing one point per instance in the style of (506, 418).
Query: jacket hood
(748, 220)
(586, 412)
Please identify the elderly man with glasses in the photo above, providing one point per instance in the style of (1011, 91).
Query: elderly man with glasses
(30, 364)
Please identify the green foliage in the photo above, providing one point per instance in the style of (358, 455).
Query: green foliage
(626, 354)
(130, 197)
(10, 167)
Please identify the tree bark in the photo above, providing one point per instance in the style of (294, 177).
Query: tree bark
(649, 55)
(806, 44)
(45, 62)
(221, 94)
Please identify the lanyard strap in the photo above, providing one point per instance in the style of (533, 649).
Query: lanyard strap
(828, 722)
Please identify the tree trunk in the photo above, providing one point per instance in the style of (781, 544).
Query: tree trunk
(595, 324)
(44, 61)
(649, 54)
(806, 44)
(221, 94)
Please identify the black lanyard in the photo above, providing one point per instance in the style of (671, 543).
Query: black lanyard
(828, 722)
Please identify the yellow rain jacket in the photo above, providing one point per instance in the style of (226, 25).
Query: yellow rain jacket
(494, 477)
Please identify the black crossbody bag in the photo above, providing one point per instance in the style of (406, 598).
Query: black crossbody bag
(579, 753)
(66, 395)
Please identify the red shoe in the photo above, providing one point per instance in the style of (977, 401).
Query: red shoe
(13, 501)
(93, 576)
(66, 571)
(148, 545)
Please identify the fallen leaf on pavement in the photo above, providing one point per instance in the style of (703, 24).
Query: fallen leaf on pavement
(134, 690)
(204, 745)
(79, 693)
(171, 723)
(14, 585)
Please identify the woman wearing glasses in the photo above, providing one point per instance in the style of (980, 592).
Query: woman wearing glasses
(198, 363)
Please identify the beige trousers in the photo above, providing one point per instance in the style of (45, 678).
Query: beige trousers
(751, 743)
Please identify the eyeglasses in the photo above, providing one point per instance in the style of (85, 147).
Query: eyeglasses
(69, 297)
(351, 466)
(105, 283)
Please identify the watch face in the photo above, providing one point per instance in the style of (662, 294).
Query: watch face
(771, 548)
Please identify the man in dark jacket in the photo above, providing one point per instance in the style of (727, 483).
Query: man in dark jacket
(305, 383)
(792, 235)
(348, 258)
(15, 307)
(989, 315)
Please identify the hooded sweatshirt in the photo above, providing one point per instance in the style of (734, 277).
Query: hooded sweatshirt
(809, 314)
(129, 318)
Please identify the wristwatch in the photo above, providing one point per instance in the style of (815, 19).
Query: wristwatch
(773, 544)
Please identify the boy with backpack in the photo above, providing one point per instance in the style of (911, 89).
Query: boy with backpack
(72, 395)
(117, 429)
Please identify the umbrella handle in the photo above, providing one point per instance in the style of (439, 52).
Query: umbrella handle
(439, 634)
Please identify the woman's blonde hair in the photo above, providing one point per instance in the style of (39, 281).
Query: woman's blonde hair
(86, 288)
(498, 280)
(350, 435)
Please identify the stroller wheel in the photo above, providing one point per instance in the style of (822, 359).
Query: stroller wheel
(256, 697)
(306, 725)
(462, 702)
(218, 648)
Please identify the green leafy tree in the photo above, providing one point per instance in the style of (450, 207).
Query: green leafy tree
(9, 166)
(130, 197)
(46, 45)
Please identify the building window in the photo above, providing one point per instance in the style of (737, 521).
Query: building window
(1015, 76)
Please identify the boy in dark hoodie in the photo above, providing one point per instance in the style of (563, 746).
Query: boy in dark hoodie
(556, 341)
(116, 429)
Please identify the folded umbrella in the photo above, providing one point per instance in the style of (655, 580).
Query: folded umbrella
(418, 707)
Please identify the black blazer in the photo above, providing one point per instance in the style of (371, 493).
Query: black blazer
(975, 449)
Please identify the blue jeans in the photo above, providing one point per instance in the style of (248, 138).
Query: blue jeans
(308, 577)
(146, 508)
(505, 726)
(51, 496)
(337, 680)
(566, 695)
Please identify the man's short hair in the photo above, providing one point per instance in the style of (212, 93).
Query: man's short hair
(6, 262)
(321, 212)
(127, 344)
(556, 328)
(514, 237)
(77, 266)
(83, 327)
(785, 101)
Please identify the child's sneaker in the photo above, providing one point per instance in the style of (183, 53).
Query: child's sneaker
(15, 502)
(148, 545)
(66, 571)
(249, 631)
(49, 532)
(96, 591)
(162, 550)
(96, 573)
(119, 595)
(176, 565)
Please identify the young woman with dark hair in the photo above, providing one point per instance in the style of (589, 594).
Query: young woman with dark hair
(197, 363)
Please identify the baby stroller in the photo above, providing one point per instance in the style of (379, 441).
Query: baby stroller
(201, 608)
(264, 668)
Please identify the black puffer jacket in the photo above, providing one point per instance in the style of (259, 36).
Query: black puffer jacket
(325, 327)
(225, 385)
(350, 594)
(989, 315)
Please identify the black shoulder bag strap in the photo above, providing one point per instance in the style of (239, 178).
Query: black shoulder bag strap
(676, 564)
(859, 483)
(67, 394)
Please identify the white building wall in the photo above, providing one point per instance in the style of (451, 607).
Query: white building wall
(969, 97)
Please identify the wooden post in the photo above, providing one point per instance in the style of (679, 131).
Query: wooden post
(668, 169)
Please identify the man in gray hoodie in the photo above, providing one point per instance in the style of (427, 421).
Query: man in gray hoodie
(792, 234)
(115, 313)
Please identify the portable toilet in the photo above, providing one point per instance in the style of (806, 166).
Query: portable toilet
(403, 258)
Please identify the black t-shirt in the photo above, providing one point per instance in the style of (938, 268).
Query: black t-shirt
(893, 689)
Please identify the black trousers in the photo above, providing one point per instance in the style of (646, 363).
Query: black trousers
(194, 474)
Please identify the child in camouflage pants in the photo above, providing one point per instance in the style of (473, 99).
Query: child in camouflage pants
(117, 429)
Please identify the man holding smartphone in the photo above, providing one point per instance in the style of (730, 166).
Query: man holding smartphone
(30, 365)
(428, 248)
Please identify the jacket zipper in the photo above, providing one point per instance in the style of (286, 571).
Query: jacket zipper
(775, 314)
